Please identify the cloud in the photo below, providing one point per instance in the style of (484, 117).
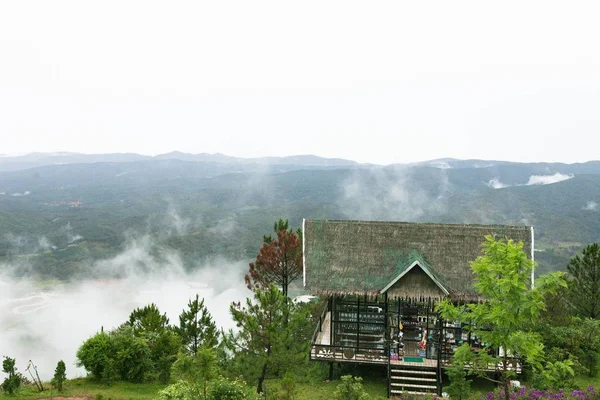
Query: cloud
(224, 227)
(548, 179)
(70, 236)
(496, 184)
(393, 194)
(533, 180)
(180, 224)
(23, 244)
(591, 206)
(25, 193)
(44, 243)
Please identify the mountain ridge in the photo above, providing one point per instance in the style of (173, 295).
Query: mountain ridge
(37, 159)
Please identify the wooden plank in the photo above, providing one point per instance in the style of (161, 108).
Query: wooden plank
(414, 378)
(414, 386)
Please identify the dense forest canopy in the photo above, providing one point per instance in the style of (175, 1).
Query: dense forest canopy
(58, 220)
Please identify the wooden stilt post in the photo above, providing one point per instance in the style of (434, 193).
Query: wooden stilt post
(439, 355)
(357, 323)
(387, 341)
(332, 325)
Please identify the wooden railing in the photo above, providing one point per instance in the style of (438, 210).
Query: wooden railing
(323, 352)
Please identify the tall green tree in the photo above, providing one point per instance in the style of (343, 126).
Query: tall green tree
(585, 285)
(13, 381)
(279, 260)
(271, 335)
(505, 320)
(196, 327)
(163, 341)
(60, 375)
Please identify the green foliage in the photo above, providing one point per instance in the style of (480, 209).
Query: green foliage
(350, 388)
(129, 356)
(139, 350)
(225, 389)
(288, 388)
(196, 327)
(556, 374)
(13, 381)
(197, 370)
(163, 342)
(148, 319)
(459, 387)
(272, 337)
(585, 285)
(94, 355)
(507, 317)
(220, 389)
(164, 347)
(578, 341)
(116, 355)
(180, 390)
(60, 376)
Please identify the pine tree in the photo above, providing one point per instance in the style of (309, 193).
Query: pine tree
(196, 327)
(279, 260)
(585, 284)
(271, 334)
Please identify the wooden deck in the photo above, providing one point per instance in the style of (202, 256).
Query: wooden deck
(322, 350)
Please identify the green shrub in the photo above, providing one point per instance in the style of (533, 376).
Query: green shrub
(225, 389)
(180, 390)
(94, 354)
(350, 388)
(459, 387)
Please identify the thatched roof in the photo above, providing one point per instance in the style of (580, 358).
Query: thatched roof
(366, 257)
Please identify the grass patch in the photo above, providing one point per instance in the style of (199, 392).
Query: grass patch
(82, 387)
(585, 381)
(311, 390)
(323, 390)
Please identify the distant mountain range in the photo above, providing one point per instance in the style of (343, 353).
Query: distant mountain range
(20, 162)
(32, 160)
(62, 213)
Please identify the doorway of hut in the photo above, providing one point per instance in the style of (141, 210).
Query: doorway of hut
(413, 330)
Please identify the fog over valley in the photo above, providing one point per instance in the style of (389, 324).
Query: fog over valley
(45, 321)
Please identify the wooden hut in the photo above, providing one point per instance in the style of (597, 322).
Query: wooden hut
(382, 280)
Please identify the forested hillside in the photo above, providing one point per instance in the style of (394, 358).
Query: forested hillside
(56, 220)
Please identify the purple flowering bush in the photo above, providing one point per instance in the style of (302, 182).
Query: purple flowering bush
(533, 394)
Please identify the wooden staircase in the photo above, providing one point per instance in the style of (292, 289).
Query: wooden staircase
(405, 379)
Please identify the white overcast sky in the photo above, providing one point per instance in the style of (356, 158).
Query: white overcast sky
(371, 81)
